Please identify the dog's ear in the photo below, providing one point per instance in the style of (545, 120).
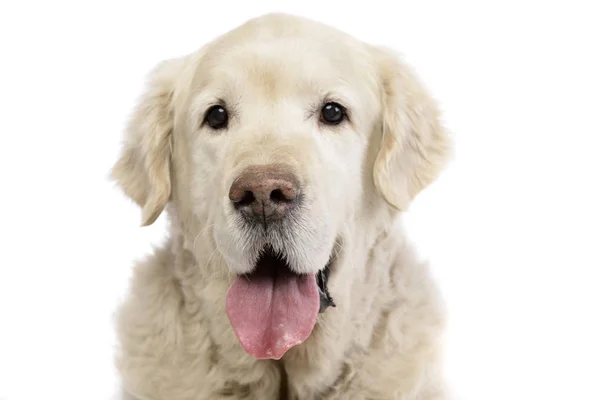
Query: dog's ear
(414, 144)
(143, 168)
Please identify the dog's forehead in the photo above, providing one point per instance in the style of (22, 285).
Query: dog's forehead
(271, 64)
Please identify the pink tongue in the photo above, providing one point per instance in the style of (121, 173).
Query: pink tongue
(271, 313)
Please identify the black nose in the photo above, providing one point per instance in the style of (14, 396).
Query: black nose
(265, 193)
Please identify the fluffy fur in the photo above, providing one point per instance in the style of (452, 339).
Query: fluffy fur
(383, 339)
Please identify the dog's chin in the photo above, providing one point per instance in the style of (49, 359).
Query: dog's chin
(273, 308)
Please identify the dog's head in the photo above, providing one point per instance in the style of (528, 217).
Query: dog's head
(277, 136)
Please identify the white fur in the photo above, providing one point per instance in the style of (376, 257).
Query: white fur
(382, 341)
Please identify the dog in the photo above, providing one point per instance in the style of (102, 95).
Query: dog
(284, 153)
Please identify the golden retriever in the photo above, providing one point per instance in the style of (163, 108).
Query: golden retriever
(284, 153)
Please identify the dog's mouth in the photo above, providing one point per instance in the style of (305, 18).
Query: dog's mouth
(273, 309)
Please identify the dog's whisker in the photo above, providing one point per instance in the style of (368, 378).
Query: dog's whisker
(210, 258)
(200, 233)
(229, 270)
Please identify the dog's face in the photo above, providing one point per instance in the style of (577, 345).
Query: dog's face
(277, 136)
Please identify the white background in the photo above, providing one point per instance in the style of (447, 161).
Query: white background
(511, 228)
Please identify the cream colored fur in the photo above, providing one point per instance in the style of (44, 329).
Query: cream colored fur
(383, 340)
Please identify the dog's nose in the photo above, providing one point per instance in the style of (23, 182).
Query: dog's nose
(265, 192)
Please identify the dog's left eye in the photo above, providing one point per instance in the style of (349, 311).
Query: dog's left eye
(333, 113)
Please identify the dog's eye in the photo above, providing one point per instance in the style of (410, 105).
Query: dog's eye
(216, 117)
(333, 113)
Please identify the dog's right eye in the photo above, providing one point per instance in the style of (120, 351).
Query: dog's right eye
(216, 117)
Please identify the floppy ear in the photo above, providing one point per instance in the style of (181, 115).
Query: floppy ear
(414, 144)
(144, 165)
